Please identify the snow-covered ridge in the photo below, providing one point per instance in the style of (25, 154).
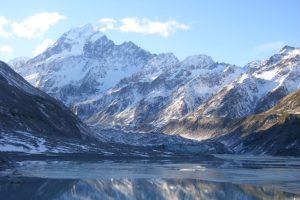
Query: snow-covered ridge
(260, 88)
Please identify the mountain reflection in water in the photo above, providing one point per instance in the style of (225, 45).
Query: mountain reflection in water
(231, 177)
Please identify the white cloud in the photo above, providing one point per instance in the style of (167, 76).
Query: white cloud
(36, 25)
(43, 46)
(6, 49)
(147, 26)
(3, 23)
(144, 26)
(271, 46)
(108, 24)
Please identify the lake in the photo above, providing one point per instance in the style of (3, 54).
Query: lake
(218, 177)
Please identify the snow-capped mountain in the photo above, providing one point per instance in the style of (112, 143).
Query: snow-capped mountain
(82, 63)
(124, 86)
(261, 87)
(33, 122)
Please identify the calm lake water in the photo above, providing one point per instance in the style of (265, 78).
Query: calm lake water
(226, 177)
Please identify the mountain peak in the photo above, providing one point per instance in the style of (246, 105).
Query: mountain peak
(85, 32)
(200, 61)
(129, 44)
(287, 49)
(168, 55)
(72, 42)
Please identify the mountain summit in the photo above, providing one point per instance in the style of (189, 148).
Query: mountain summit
(82, 63)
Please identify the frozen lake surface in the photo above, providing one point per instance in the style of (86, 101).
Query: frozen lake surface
(222, 177)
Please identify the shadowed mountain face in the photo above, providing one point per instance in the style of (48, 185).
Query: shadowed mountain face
(25, 108)
(276, 131)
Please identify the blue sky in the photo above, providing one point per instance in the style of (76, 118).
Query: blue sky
(231, 31)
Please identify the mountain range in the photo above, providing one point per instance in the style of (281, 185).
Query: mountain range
(124, 87)
(33, 122)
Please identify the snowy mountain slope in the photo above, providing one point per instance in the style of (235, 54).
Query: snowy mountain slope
(126, 91)
(166, 89)
(18, 63)
(83, 62)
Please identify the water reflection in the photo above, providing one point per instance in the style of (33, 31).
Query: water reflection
(36, 188)
(226, 177)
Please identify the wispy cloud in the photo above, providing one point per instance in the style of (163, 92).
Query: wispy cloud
(271, 46)
(36, 25)
(144, 26)
(6, 49)
(29, 28)
(43, 46)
